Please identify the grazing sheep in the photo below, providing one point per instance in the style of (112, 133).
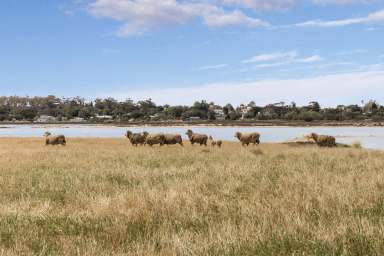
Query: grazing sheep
(215, 142)
(153, 139)
(54, 139)
(172, 139)
(136, 138)
(323, 140)
(197, 138)
(248, 138)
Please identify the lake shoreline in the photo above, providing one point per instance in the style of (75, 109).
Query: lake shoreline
(369, 137)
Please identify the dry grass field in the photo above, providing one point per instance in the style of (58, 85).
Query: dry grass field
(105, 197)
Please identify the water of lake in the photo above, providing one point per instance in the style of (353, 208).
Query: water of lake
(370, 137)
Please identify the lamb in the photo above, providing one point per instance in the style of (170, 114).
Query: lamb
(197, 138)
(54, 139)
(248, 138)
(172, 139)
(323, 140)
(136, 138)
(215, 142)
(153, 139)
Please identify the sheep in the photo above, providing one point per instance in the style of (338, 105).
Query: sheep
(248, 138)
(153, 139)
(197, 138)
(136, 138)
(172, 139)
(54, 139)
(323, 140)
(215, 142)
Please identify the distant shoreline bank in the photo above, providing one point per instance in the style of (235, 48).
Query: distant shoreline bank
(250, 123)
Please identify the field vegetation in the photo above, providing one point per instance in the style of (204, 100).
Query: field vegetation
(105, 197)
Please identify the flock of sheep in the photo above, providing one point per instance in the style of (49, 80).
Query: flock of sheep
(144, 138)
(161, 139)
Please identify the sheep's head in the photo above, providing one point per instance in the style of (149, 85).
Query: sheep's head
(210, 137)
(128, 134)
(313, 136)
(46, 134)
(145, 134)
(238, 135)
(189, 132)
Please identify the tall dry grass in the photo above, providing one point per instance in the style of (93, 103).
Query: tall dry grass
(104, 197)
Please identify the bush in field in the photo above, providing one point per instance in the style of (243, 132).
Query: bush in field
(292, 115)
(356, 144)
(309, 116)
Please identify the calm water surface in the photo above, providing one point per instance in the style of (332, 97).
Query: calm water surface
(370, 137)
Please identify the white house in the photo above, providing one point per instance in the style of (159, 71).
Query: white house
(45, 119)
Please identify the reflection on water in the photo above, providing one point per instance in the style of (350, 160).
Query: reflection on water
(370, 137)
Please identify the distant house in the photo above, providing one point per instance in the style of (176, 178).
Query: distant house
(218, 110)
(268, 112)
(370, 107)
(45, 119)
(154, 117)
(243, 110)
(104, 117)
(194, 118)
(77, 120)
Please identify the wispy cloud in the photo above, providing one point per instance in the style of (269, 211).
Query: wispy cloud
(234, 18)
(381, 56)
(360, 85)
(271, 57)
(280, 59)
(343, 2)
(375, 17)
(210, 67)
(352, 52)
(311, 59)
(372, 29)
(261, 5)
(314, 58)
(109, 51)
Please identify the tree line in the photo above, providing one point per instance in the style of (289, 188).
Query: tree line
(17, 108)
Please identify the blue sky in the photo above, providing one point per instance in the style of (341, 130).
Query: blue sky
(180, 51)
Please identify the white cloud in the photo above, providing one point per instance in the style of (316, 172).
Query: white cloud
(220, 19)
(139, 16)
(352, 52)
(280, 58)
(326, 89)
(314, 58)
(211, 67)
(381, 56)
(268, 5)
(311, 59)
(376, 17)
(110, 51)
(271, 57)
(343, 2)
(262, 4)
